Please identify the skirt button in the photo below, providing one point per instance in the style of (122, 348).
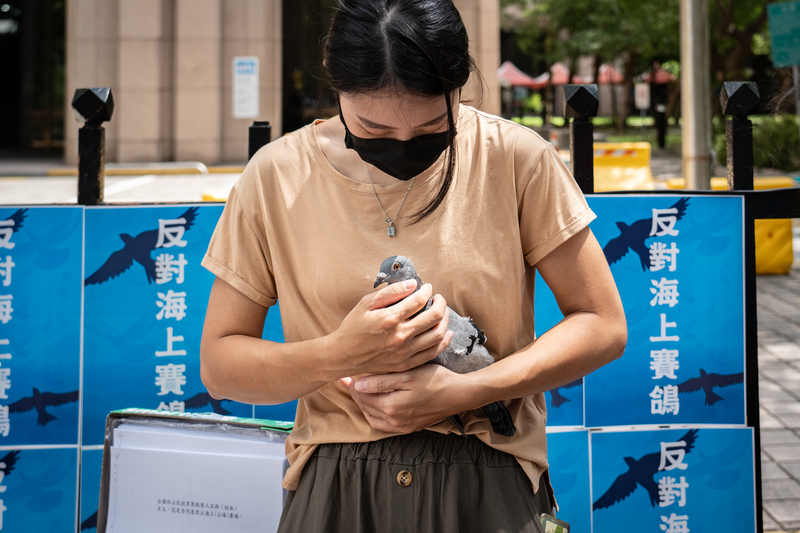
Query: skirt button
(404, 478)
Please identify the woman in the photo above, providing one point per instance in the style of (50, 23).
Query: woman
(478, 203)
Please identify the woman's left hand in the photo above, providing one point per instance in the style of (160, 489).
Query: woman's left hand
(407, 401)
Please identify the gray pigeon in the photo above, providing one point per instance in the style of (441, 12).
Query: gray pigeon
(464, 354)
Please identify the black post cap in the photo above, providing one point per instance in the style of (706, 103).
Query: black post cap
(581, 101)
(739, 98)
(93, 106)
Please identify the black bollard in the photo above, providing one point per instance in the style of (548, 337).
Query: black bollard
(92, 107)
(739, 99)
(259, 135)
(581, 104)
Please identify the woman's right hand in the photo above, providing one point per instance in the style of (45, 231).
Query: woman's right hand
(378, 337)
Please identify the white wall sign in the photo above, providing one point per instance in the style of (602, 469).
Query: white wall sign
(244, 95)
(642, 95)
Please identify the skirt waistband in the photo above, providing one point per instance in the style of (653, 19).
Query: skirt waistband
(420, 448)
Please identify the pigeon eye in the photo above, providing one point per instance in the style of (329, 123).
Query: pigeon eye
(396, 266)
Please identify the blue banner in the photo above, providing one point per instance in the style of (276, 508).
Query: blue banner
(40, 324)
(38, 489)
(145, 301)
(678, 265)
(565, 403)
(568, 457)
(677, 480)
(91, 470)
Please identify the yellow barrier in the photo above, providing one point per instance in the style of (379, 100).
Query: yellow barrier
(622, 167)
(216, 195)
(774, 254)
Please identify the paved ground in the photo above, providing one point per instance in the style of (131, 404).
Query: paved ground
(778, 319)
(779, 388)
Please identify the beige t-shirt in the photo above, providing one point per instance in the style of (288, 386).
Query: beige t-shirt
(296, 230)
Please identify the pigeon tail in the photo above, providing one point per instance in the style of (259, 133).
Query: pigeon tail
(501, 420)
(712, 397)
(45, 418)
(457, 423)
(557, 399)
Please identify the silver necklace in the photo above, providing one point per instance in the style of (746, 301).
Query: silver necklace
(390, 221)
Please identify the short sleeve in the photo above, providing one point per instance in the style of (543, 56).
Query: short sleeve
(552, 207)
(238, 254)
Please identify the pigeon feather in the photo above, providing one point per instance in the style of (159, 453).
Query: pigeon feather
(466, 351)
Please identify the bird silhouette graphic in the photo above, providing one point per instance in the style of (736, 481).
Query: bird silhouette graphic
(90, 522)
(557, 399)
(202, 399)
(640, 472)
(707, 382)
(136, 249)
(41, 401)
(18, 217)
(9, 460)
(632, 237)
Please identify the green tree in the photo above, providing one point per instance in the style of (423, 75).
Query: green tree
(636, 31)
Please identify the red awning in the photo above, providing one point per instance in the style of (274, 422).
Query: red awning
(561, 75)
(662, 76)
(608, 75)
(511, 76)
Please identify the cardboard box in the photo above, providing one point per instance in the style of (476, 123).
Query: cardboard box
(199, 472)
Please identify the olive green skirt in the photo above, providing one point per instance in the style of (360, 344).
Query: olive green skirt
(423, 482)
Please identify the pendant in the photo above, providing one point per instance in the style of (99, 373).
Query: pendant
(390, 230)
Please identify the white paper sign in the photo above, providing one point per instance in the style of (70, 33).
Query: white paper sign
(642, 95)
(245, 87)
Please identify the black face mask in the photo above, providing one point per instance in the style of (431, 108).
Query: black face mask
(400, 159)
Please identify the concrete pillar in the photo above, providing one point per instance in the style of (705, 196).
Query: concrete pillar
(143, 91)
(695, 94)
(91, 61)
(482, 19)
(198, 80)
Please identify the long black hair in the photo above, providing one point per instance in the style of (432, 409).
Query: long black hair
(411, 46)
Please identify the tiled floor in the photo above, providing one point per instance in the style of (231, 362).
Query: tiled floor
(779, 389)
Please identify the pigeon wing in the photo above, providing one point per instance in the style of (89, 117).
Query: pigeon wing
(200, 399)
(615, 249)
(18, 217)
(723, 380)
(622, 487)
(681, 206)
(22, 406)
(690, 385)
(117, 263)
(189, 217)
(689, 439)
(90, 522)
(10, 459)
(572, 384)
(56, 399)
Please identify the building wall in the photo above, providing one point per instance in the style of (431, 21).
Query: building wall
(169, 64)
(482, 19)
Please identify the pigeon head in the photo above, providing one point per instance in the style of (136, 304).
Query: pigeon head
(396, 269)
(127, 239)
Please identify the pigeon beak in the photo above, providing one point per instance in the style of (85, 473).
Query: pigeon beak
(380, 279)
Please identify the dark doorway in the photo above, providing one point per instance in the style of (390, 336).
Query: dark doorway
(306, 95)
(32, 67)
